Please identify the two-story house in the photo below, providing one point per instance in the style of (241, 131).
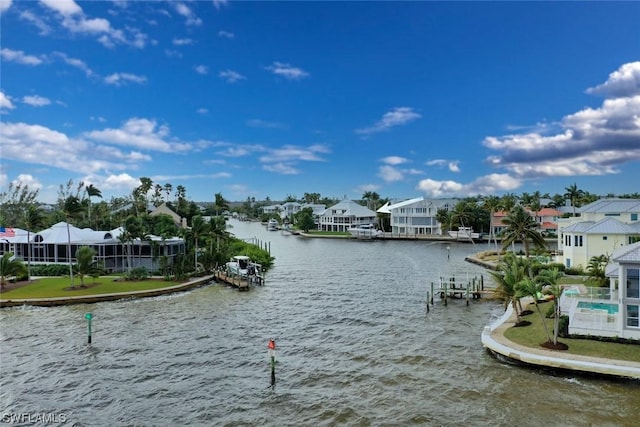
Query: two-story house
(416, 217)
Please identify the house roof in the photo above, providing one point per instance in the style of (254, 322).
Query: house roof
(611, 206)
(548, 212)
(549, 225)
(350, 208)
(604, 226)
(627, 253)
(420, 201)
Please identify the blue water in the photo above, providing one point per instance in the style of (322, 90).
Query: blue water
(611, 308)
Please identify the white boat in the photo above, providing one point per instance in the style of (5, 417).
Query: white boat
(464, 233)
(365, 231)
(272, 225)
(242, 266)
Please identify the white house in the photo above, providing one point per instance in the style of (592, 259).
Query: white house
(51, 246)
(345, 214)
(602, 227)
(613, 311)
(288, 209)
(415, 217)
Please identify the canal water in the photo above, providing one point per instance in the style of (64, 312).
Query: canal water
(355, 347)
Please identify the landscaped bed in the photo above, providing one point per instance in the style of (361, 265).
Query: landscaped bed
(56, 287)
(534, 334)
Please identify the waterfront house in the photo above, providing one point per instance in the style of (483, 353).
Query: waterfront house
(50, 246)
(342, 216)
(288, 209)
(417, 216)
(602, 227)
(612, 311)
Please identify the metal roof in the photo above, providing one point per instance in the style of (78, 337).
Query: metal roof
(611, 206)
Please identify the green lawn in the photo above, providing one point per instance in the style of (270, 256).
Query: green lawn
(534, 335)
(52, 287)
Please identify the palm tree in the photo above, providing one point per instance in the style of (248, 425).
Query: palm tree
(34, 219)
(596, 269)
(71, 209)
(521, 227)
(492, 204)
(92, 191)
(168, 188)
(551, 278)
(85, 265)
(220, 203)
(10, 266)
(198, 229)
(573, 194)
(530, 288)
(510, 272)
(508, 201)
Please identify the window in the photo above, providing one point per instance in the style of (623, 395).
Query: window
(632, 315)
(634, 217)
(633, 284)
(604, 237)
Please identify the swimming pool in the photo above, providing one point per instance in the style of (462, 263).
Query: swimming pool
(611, 308)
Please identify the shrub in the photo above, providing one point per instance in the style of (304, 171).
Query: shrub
(138, 273)
(563, 328)
(574, 271)
(50, 270)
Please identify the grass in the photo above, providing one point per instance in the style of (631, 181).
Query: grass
(534, 335)
(53, 287)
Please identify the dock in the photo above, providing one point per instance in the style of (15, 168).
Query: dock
(242, 283)
(458, 288)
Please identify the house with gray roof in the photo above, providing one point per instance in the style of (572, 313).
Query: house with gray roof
(602, 227)
(342, 216)
(417, 216)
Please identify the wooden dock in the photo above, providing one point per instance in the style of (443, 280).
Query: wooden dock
(242, 283)
(458, 288)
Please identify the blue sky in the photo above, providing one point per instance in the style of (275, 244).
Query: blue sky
(270, 99)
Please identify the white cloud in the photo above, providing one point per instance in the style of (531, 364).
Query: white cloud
(289, 153)
(73, 18)
(390, 174)
(143, 134)
(27, 179)
(230, 76)
(259, 123)
(454, 166)
(74, 62)
(5, 5)
(122, 181)
(182, 42)
(118, 79)
(281, 168)
(394, 160)
(593, 141)
(187, 13)
(489, 184)
(5, 102)
(36, 21)
(397, 117)
(19, 56)
(287, 71)
(623, 82)
(201, 69)
(202, 111)
(35, 100)
(40, 145)
(226, 34)
(219, 3)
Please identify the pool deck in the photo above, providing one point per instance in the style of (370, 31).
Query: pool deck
(494, 340)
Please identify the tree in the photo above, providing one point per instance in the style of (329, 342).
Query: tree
(551, 280)
(168, 188)
(371, 199)
(199, 228)
(14, 202)
(443, 216)
(304, 220)
(156, 198)
(530, 288)
(85, 265)
(510, 272)
(596, 269)
(92, 191)
(311, 197)
(573, 194)
(220, 203)
(508, 202)
(462, 213)
(521, 227)
(10, 266)
(491, 204)
(72, 209)
(34, 219)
